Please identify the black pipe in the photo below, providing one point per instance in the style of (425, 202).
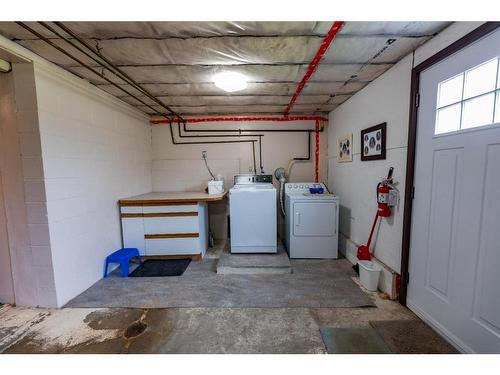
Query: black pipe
(127, 79)
(122, 75)
(249, 130)
(309, 131)
(213, 135)
(260, 154)
(85, 65)
(224, 135)
(215, 142)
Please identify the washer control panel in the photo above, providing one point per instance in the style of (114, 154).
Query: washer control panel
(302, 187)
(245, 179)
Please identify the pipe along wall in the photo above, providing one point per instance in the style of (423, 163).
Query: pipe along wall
(184, 132)
(84, 48)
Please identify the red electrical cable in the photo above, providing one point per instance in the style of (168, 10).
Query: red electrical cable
(236, 119)
(315, 62)
(316, 159)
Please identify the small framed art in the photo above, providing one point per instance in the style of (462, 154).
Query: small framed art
(344, 148)
(373, 142)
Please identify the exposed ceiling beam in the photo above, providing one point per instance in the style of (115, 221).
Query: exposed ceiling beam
(283, 63)
(346, 35)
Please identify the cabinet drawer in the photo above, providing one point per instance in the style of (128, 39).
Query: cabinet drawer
(131, 209)
(179, 208)
(172, 246)
(177, 224)
(133, 233)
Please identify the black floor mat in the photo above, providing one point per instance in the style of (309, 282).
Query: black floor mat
(411, 337)
(161, 267)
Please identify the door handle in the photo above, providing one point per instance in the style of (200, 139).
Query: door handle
(297, 218)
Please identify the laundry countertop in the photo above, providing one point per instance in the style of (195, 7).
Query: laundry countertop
(173, 197)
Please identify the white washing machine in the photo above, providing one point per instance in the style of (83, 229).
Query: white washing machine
(311, 222)
(253, 216)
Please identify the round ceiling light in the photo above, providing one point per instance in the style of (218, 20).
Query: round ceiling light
(230, 81)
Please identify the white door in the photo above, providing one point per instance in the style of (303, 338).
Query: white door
(314, 218)
(454, 281)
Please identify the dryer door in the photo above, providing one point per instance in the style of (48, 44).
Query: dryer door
(315, 218)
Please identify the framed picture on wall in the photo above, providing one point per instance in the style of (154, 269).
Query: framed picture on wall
(373, 142)
(344, 148)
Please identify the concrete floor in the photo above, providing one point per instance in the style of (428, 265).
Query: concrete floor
(182, 330)
(186, 329)
(313, 283)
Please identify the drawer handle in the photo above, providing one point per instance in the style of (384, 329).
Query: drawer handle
(171, 235)
(161, 214)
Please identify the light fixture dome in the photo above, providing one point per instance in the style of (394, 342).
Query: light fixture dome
(230, 81)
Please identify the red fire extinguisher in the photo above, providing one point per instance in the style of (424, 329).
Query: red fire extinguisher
(387, 196)
(383, 195)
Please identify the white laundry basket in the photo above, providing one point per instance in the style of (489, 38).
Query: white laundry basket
(369, 273)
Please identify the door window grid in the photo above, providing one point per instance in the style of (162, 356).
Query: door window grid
(455, 111)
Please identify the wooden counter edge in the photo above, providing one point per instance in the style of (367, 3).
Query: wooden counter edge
(170, 201)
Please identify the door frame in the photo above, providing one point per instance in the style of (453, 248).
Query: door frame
(458, 45)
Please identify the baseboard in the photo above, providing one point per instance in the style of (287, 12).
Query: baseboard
(386, 282)
(442, 331)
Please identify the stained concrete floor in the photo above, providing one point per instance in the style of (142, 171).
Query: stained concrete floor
(185, 330)
(182, 330)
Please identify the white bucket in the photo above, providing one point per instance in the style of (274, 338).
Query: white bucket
(369, 273)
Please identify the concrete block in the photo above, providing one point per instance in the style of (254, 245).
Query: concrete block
(34, 191)
(249, 264)
(39, 234)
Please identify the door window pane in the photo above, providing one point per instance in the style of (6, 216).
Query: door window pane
(481, 79)
(450, 91)
(498, 76)
(448, 119)
(470, 99)
(497, 109)
(478, 111)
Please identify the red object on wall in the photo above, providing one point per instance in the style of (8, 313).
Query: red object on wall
(316, 159)
(236, 119)
(337, 25)
(398, 285)
(383, 209)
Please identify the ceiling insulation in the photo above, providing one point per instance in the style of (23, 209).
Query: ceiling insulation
(176, 61)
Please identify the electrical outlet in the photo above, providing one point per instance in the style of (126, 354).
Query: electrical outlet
(203, 154)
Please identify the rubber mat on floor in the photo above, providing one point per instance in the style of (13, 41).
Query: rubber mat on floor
(161, 268)
(411, 337)
(353, 341)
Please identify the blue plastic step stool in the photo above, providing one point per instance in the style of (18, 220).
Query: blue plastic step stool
(122, 256)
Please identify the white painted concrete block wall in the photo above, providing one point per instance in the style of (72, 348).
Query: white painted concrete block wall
(31, 153)
(384, 100)
(95, 152)
(24, 193)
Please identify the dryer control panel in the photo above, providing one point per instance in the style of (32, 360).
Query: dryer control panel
(302, 187)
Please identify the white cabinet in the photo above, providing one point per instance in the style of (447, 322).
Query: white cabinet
(165, 229)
